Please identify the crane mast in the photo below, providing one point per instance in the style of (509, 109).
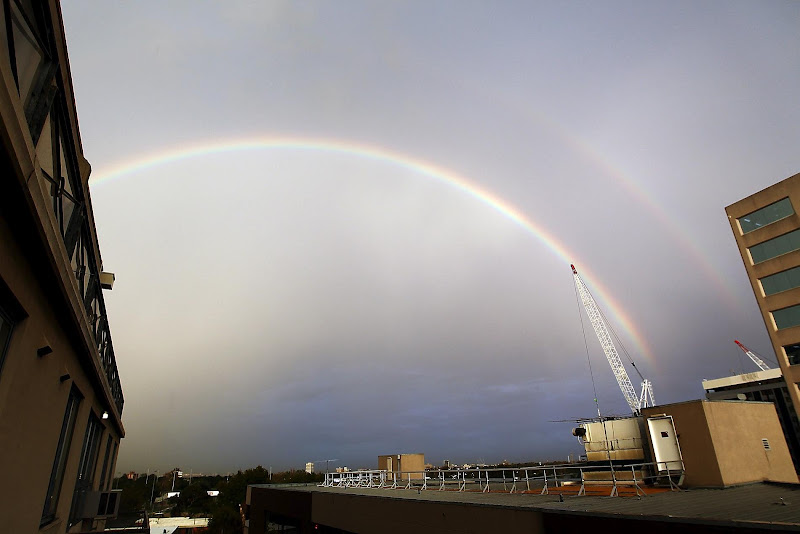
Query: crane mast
(753, 356)
(636, 402)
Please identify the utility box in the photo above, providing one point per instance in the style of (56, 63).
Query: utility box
(615, 439)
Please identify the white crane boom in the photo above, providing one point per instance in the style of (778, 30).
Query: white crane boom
(608, 345)
(753, 356)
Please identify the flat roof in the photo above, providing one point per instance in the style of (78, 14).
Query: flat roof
(759, 503)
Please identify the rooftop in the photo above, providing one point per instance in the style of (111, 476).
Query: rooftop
(750, 505)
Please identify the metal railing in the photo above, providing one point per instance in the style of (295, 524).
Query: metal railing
(560, 478)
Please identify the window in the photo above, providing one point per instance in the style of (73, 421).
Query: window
(787, 317)
(86, 465)
(782, 281)
(782, 244)
(27, 50)
(6, 325)
(30, 53)
(792, 353)
(62, 452)
(767, 215)
(109, 484)
(60, 175)
(105, 464)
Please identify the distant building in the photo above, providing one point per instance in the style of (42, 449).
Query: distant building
(60, 392)
(310, 467)
(132, 475)
(767, 231)
(407, 463)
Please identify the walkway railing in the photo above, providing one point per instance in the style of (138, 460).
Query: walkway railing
(575, 479)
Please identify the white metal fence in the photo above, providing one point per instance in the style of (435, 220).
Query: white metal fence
(540, 479)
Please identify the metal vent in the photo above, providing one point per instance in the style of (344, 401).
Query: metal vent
(765, 443)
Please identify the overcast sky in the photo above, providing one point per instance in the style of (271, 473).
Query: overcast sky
(338, 296)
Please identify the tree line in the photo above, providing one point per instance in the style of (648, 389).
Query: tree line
(145, 495)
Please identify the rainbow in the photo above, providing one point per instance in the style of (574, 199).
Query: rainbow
(670, 221)
(446, 176)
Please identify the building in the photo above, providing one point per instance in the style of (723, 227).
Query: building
(767, 231)
(312, 509)
(413, 464)
(60, 395)
(310, 468)
(762, 386)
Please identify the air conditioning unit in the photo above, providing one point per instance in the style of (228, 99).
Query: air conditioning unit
(101, 504)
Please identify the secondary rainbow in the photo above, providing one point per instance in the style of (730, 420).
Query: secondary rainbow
(446, 176)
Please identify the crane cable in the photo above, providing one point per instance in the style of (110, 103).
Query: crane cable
(588, 360)
(594, 387)
(619, 340)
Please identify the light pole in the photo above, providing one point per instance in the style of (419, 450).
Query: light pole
(152, 491)
(327, 462)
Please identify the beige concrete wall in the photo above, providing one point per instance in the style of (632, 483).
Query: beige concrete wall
(790, 188)
(412, 462)
(737, 429)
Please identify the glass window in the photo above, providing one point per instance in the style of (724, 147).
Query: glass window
(792, 353)
(6, 325)
(778, 246)
(86, 467)
(44, 148)
(62, 452)
(767, 215)
(26, 48)
(104, 469)
(782, 281)
(787, 317)
(111, 467)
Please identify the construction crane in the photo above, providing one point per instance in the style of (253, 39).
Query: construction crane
(636, 402)
(753, 356)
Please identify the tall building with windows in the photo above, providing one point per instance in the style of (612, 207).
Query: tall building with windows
(767, 230)
(60, 394)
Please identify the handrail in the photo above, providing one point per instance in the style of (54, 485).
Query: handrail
(538, 479)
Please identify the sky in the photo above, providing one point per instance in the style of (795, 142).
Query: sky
(344, 229)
